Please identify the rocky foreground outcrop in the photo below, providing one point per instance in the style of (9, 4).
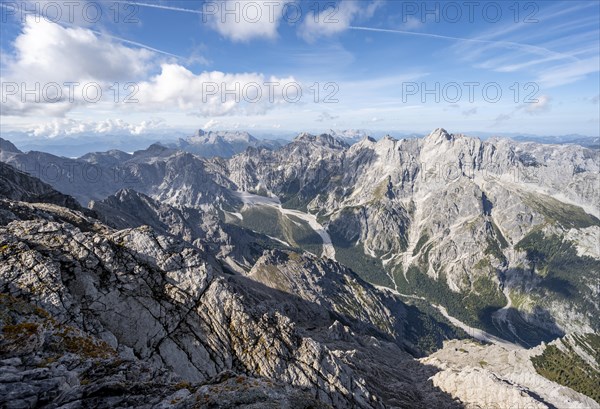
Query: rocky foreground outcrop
(51, 364)
(497, 376)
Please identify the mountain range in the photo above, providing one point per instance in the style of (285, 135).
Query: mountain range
(346, 273)
(222, 143)
(209, 143)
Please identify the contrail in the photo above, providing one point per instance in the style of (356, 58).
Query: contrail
(158, 6)
(124, 40)
(525, 47)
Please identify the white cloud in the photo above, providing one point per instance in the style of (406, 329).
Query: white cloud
(214, 93)
(243, 21)
(569, 73)
(210, 124)
(49, 52)
(72, 127)
(326, 117)
(48, 56)
(541, 105)
(334, 20)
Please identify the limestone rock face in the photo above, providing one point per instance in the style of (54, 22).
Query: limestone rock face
(457, 214)
(238, 248)
(46, 362)
(20, 186)
(333, 287)
(500, 377)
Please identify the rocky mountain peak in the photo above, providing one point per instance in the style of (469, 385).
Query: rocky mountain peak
(387, 140)
(17, 185)
(125, 194)
(156, 149)
(223, 144)
(439, 135)
(366, 142)
(350, 136)
(304, 136)
(7, 146)
(212, 137)
(322, 139)
(199, 132)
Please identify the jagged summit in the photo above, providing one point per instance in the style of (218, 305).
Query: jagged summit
(388, 137)
(439, 135)
(17, 185)
(224, 144)
(211, 137)
(368, 139)
(349, 136)
(114, 156)
(154, 149)
(322, 139)
(8, 146)
(126, 193)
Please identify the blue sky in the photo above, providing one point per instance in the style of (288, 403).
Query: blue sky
(369, 60)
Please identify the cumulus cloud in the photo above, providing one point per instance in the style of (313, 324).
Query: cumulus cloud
(334, 20)
(72, 127)
(243, 21)
(49, 52)
(215, 93)
(51, 59)
(326, 116)
(541, 105)
(211, 124)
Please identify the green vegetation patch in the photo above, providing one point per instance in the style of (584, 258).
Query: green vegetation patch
(368, 268)
(563, 273)
(474, 307)
(567, 215)
(426, 328)
(420, 243)
(568, 369)
(293, 230)
(21, 324)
